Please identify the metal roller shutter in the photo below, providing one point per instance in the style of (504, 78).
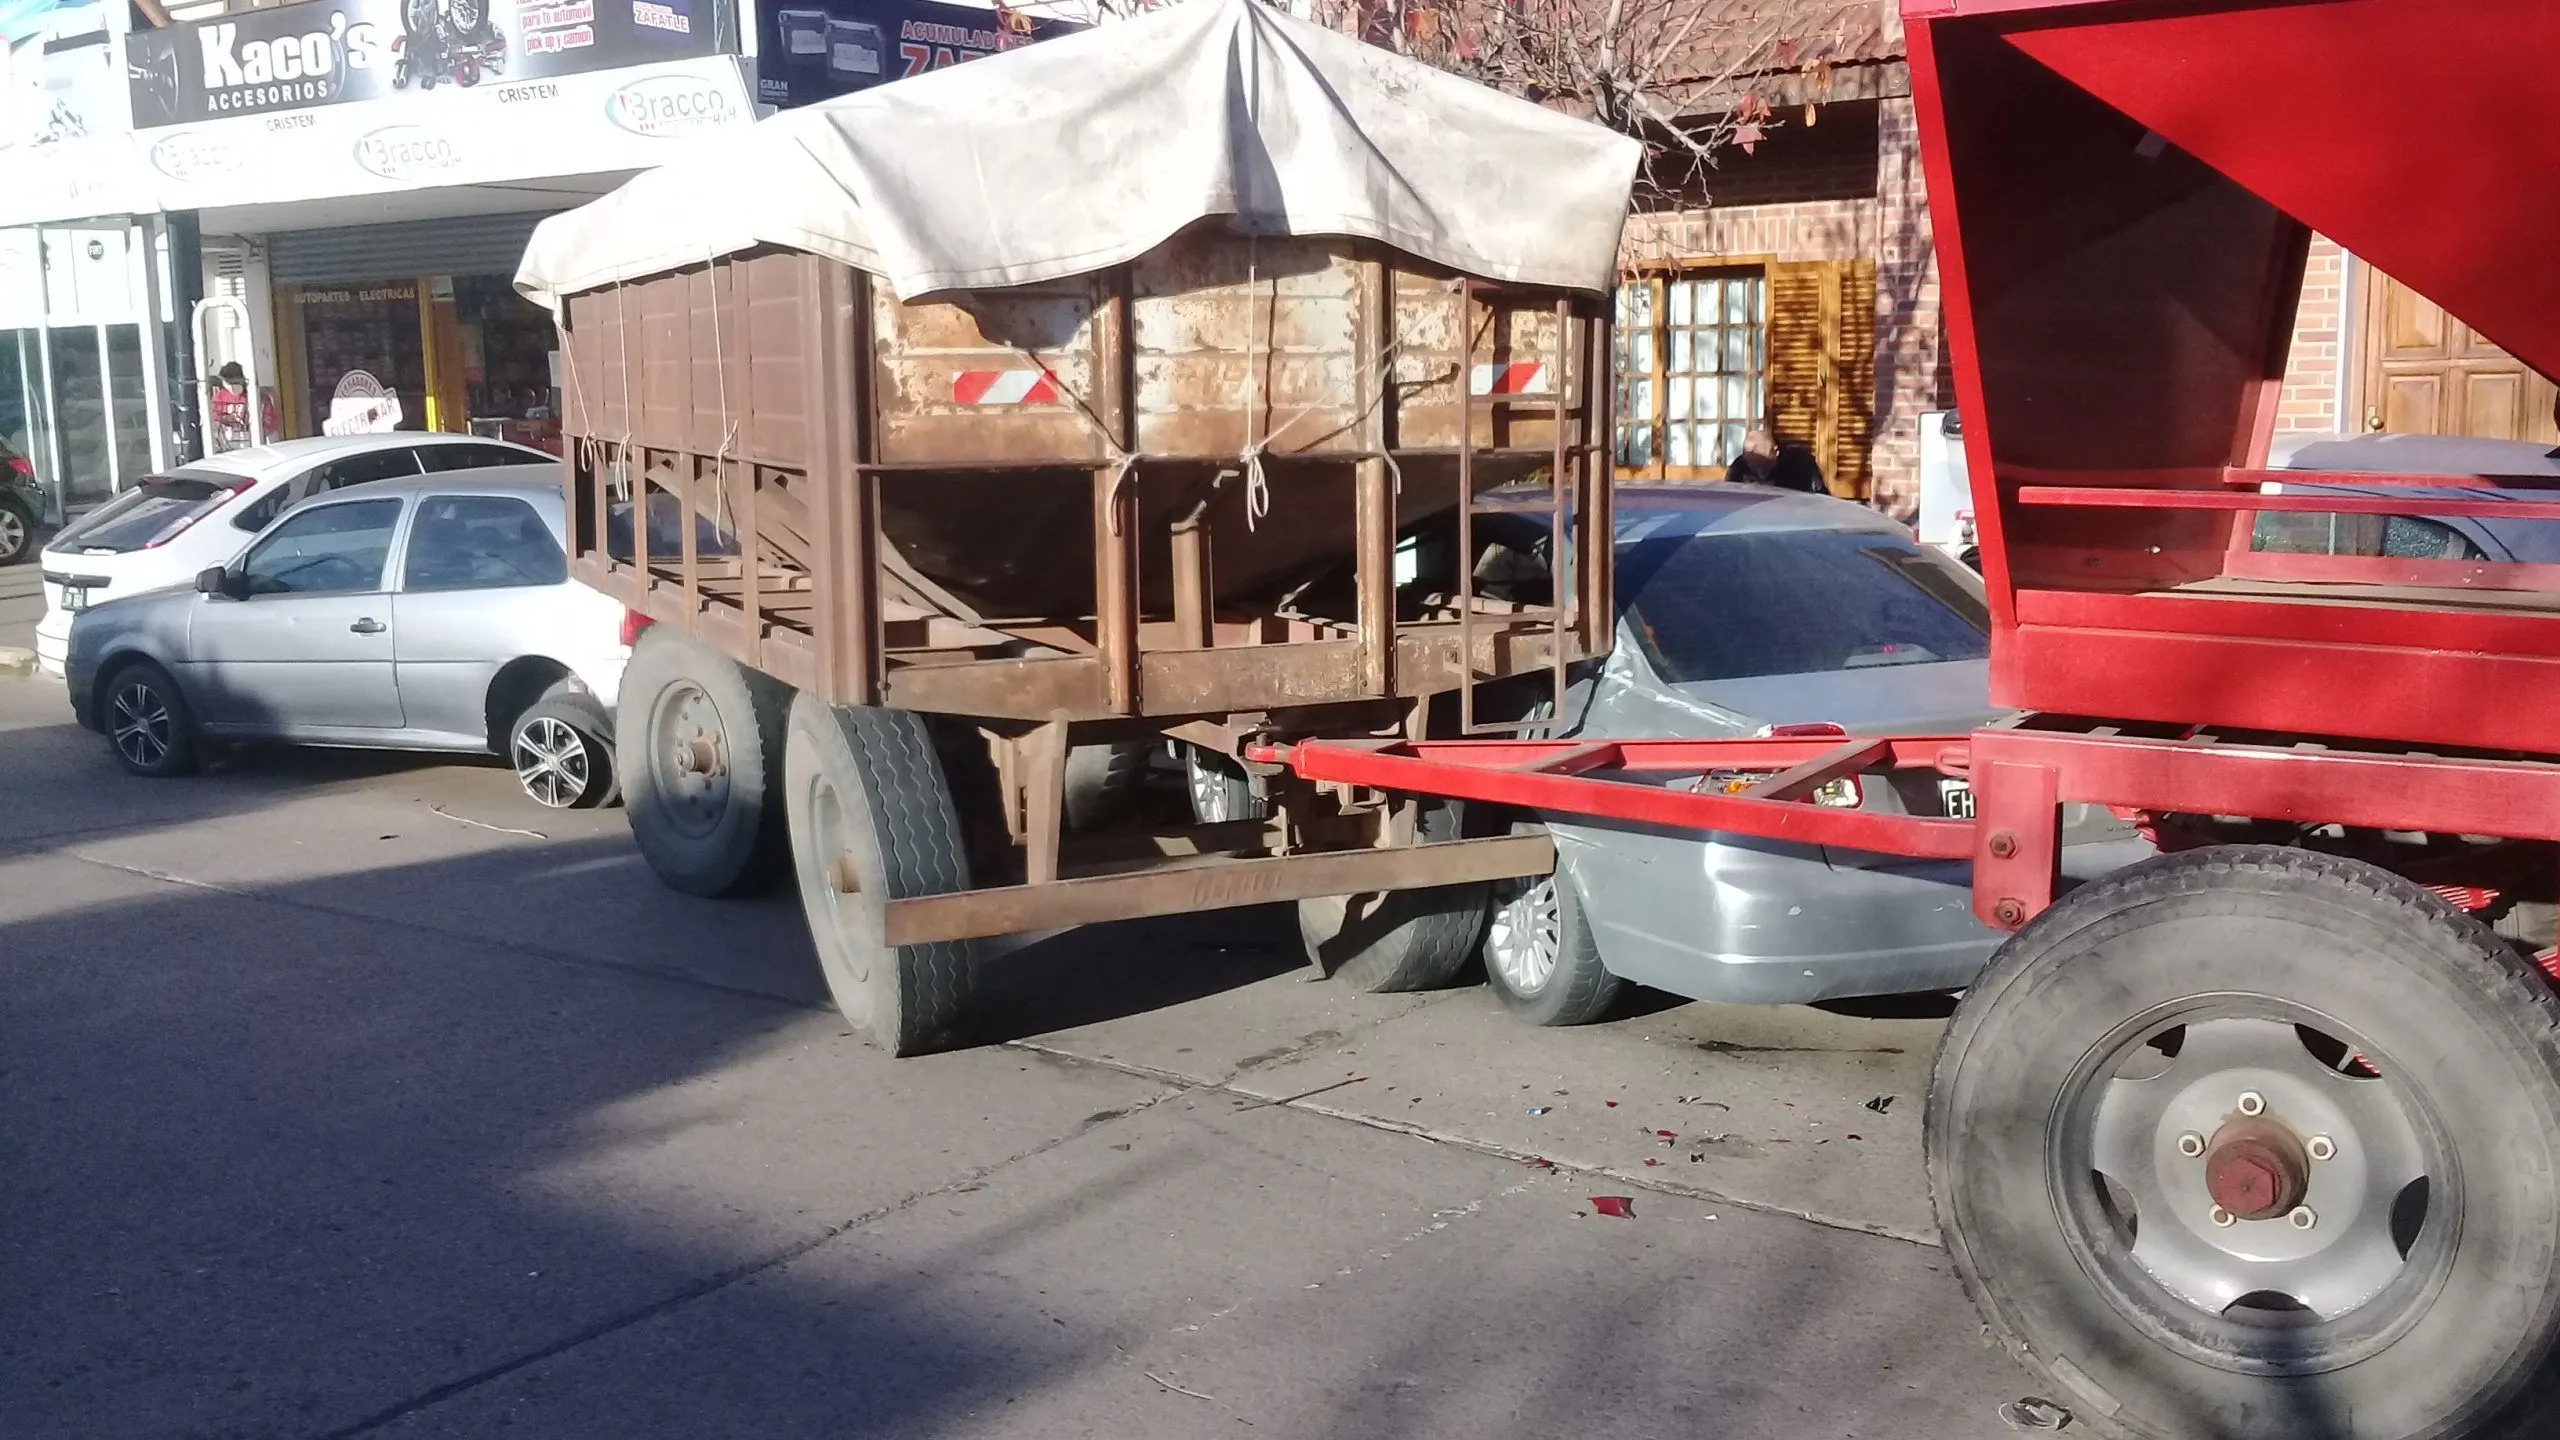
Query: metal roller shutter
(459, 245)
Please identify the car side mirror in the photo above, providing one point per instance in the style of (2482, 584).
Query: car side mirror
(214, 580)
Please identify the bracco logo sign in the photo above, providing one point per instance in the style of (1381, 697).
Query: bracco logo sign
(189, 156)
(663, 105)
(407, 152)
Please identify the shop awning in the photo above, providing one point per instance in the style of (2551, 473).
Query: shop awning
(1075, 154)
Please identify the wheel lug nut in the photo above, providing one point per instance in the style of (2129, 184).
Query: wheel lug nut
(2322, 1148)
(2191, 1145)
(2303, 1218)
(2224, 1218)
(2252, 1103)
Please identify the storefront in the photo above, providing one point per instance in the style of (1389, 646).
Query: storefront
(85, 295)
(368, 213)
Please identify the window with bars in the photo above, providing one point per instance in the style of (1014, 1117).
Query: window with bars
(1693, 369)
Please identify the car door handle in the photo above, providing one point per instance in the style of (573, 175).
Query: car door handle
(368, 626)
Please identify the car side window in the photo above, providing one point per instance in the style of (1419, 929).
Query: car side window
(264, 512)
(333, 549)
(364, 466)
(480, 542)
(463, 455)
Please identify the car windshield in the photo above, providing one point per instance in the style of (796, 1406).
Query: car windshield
(1795, 602)
(149, 512)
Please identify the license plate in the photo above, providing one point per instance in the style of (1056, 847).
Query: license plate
(1957, 798)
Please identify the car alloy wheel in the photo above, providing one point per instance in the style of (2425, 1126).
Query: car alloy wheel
(1527, 935)
(13, 534)
(141, 725)
(552, 763)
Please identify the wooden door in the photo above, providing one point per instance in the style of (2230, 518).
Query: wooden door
(2427, 373)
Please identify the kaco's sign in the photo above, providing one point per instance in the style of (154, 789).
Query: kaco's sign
(813, 50)
(328, 52)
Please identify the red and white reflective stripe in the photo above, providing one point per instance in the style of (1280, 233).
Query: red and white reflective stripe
(1514, 379)
(1004, 387)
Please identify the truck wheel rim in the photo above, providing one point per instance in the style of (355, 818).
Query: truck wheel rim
(142, 725)
(689, 751)
(2254, 1184)
(1212, 797)
(13, 534)
(552, 763)
(1526, 937)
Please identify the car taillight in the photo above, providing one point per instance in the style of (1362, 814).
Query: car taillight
(178, 527)
(1806, 730)
(633, 622)
(19, 464)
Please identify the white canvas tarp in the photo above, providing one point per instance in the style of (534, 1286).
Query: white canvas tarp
(1075, 154)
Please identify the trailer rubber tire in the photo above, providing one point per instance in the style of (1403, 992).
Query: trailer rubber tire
(1102, 783)
(866, 786)
(698, 748)
(1540, 956)
(2405, 992)
(1392, 941)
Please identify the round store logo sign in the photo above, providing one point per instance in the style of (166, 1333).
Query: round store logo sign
(406, 152)
(188, 156)
(664, 105)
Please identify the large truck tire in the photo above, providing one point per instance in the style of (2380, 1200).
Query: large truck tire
(872, 821)
(698, 745)
(1398, 940)
(2250, 1143)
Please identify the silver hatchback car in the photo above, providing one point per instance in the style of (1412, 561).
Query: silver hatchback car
(1744, 610)
(430, 614)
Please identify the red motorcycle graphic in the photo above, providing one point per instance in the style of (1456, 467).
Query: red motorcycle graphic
(446, 39)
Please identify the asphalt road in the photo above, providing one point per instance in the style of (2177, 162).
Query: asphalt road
(346, 1095)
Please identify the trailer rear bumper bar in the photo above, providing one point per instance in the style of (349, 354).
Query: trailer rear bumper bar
(2021, 774)
(1212, 885)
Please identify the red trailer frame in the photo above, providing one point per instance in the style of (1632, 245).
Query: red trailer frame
(2122, 193)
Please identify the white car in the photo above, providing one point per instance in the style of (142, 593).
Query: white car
(166, 529)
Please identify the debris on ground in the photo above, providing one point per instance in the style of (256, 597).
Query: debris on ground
(1666, 1136)
(1621, 1207)
(1540, 1162)
(1703, 1100)
(1540, 1109)
(2034, 1412)
(1612, 1104)
(1881, 1104)
(1304, 1094)
(1177, 1389)
(485, 825)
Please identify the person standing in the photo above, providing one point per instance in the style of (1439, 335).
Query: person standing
(230, 407)
(1767, 461)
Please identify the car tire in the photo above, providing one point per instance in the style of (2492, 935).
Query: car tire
(562, 750)
(17, 530)
(698, 748)
(2437, 1048)
(147, 721)
(1102, 784)
(1219, 788)
(1392, 941)
(1539, 953)
(872, 820)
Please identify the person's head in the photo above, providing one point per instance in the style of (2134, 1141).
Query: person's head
(232, 376)
(1760, 445)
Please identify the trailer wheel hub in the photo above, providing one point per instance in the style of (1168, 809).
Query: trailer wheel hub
(2257, 1170)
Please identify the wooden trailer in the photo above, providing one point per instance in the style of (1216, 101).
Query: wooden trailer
(927, 580)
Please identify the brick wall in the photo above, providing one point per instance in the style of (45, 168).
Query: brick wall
(1892, 227)
(1911, 370)
(2312, 400)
